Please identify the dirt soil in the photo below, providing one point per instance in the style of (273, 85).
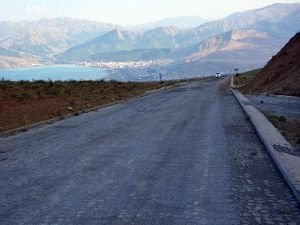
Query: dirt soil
(24, 103)
(281, 76)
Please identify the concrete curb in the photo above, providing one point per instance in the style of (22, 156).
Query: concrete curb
(275, 143)
(51, 121)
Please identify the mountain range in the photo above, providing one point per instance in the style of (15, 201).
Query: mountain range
(243, 39)
(52, 36)
(182, 22)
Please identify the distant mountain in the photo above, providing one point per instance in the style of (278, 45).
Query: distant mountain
(128, 44)
(163, 37)
(37, 42)
(244, 48)
(129, 55)
(270, 26)
(243, 39)
(183, 22)
(7, 52)
(230, 41)
(287, 16)
(114, 41)
(281, 74)
(7, 62)
(49, 36)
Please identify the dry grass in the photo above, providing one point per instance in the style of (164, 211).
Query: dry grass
(244, 78)
(24, 103)
(290, 129)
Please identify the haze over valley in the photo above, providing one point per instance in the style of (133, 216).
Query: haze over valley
(178, 46)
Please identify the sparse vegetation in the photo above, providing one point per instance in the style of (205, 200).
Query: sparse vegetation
(279, 119)
(24, 102)
(244, 78)
(23, 96)
(290, 129)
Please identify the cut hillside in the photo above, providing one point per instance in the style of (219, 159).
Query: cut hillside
(281, 75)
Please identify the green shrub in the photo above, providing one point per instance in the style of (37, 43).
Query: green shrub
(57, 91)
(282, 119)
(39, 93)
(23, 96)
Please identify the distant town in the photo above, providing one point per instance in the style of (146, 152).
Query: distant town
(114, 65)
(142, 70)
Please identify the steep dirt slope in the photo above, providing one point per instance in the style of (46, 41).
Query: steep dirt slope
(282, 74)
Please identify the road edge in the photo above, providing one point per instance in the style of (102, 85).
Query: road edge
(53, 120)
(288, 165)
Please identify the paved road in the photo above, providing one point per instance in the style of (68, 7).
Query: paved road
(183, 156)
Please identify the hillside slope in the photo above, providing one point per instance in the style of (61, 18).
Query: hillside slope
(284, 18)
(244, 49)
(282, 74)
(7, 62)
(121, 44)
(229, 41)
(49, 36)
(182, 22)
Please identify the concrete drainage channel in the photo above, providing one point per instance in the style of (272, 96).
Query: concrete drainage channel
(278, 147)
(51, 121)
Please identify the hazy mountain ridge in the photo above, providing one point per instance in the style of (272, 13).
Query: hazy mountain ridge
(270, 26)
(10, 61)
(228, 41)
(49, 36)
(183, 22)
(258, 18)
(114, 41)
(125, 42)
(245, 49)
(252, 36)
(259, 35)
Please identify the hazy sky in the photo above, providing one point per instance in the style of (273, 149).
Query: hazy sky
(125, 12)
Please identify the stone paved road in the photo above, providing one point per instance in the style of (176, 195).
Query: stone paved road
(183, 156)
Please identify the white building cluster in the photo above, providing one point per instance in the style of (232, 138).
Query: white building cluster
(114, 65)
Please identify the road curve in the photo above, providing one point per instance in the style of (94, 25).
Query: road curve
(183, 156)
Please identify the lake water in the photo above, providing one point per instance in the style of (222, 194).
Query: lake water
(57, 72)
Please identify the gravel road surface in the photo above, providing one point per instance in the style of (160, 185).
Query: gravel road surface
(184, 156)
(288, 106)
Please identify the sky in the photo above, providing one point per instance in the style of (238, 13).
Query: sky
(125, 12)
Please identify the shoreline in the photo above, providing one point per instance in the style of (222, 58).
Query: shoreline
(55, 72)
